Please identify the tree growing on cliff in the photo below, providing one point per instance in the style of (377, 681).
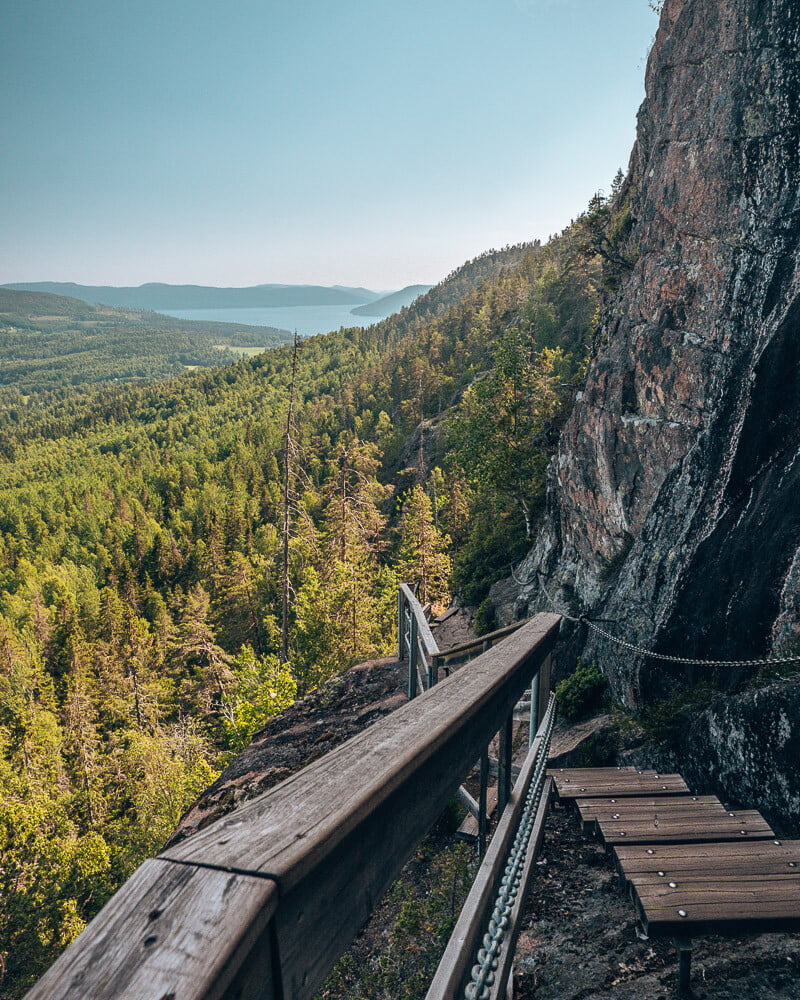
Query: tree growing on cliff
(502, 433)
(423, 559)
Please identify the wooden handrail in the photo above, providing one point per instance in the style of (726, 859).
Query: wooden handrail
(265, 900)
(426, 638)
(480, 643)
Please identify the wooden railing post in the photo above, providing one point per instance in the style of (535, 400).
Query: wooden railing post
(401, 626)
(544, 673)
(482, 818)
(533, 723)
(504, 761)
(413, 658)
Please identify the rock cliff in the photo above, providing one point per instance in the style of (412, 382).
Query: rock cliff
(674, 500)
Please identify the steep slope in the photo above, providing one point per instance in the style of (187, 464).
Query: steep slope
(673, 500)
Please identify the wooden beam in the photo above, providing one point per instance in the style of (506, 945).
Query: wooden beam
(172, 931)
(335, 835)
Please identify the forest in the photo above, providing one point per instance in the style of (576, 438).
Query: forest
(141, 555)
(52, 343)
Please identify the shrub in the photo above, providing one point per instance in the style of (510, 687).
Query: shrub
(581, 694)
(486, 617)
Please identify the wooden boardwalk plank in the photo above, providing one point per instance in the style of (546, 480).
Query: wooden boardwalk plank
(692, 866)
(578, 783)
(649, 808)
(680, 829)
(709, 860)
(680, 819)
(694, 907)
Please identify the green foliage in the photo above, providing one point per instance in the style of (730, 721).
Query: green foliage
(506, 427)
(422, 557)
(581, 694)
(486, 617)
(496, 540)
(140, 552)
(603, 230)
(49, 342)
(500, 433)
(263, 686)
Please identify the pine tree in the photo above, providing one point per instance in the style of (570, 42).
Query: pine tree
(422, 559)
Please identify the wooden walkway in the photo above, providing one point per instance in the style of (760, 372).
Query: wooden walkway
(691, 866)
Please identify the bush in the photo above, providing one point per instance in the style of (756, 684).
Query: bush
(581, 694)
(486, 618)
(496, 541)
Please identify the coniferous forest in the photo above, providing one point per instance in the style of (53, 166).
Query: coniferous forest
(142, 560)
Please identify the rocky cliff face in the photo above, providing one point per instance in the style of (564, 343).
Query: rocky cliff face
(674, 501)
(743, 748)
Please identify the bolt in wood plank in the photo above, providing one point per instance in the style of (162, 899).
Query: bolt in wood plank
(578, 783)
(173, 931)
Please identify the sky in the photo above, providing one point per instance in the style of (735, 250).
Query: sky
(354, 142)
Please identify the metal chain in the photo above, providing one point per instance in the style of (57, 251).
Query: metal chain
(664, 657)
(482, 975)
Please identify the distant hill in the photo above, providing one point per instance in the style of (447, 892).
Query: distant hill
(51, 341)
(392, 303)
(157, 296)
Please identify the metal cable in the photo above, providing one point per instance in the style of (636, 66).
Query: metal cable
(687, 661)
(666, 657)
(482, 975)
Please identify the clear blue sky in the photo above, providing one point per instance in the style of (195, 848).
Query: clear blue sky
(327, 141)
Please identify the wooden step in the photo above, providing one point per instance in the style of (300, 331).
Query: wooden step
(640, 863)
(616, 782)
(689, 907)
(469, 825)
(677, 819)
(646, 808)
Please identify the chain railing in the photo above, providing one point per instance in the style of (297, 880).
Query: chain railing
(477, 962)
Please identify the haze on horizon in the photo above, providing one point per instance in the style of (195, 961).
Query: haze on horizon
(364, 143)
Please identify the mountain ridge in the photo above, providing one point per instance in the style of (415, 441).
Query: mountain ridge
(159, 295)
(394, 302)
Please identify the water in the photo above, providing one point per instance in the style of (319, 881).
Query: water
(307, 320)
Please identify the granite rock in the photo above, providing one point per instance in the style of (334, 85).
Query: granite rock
(674, 498)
